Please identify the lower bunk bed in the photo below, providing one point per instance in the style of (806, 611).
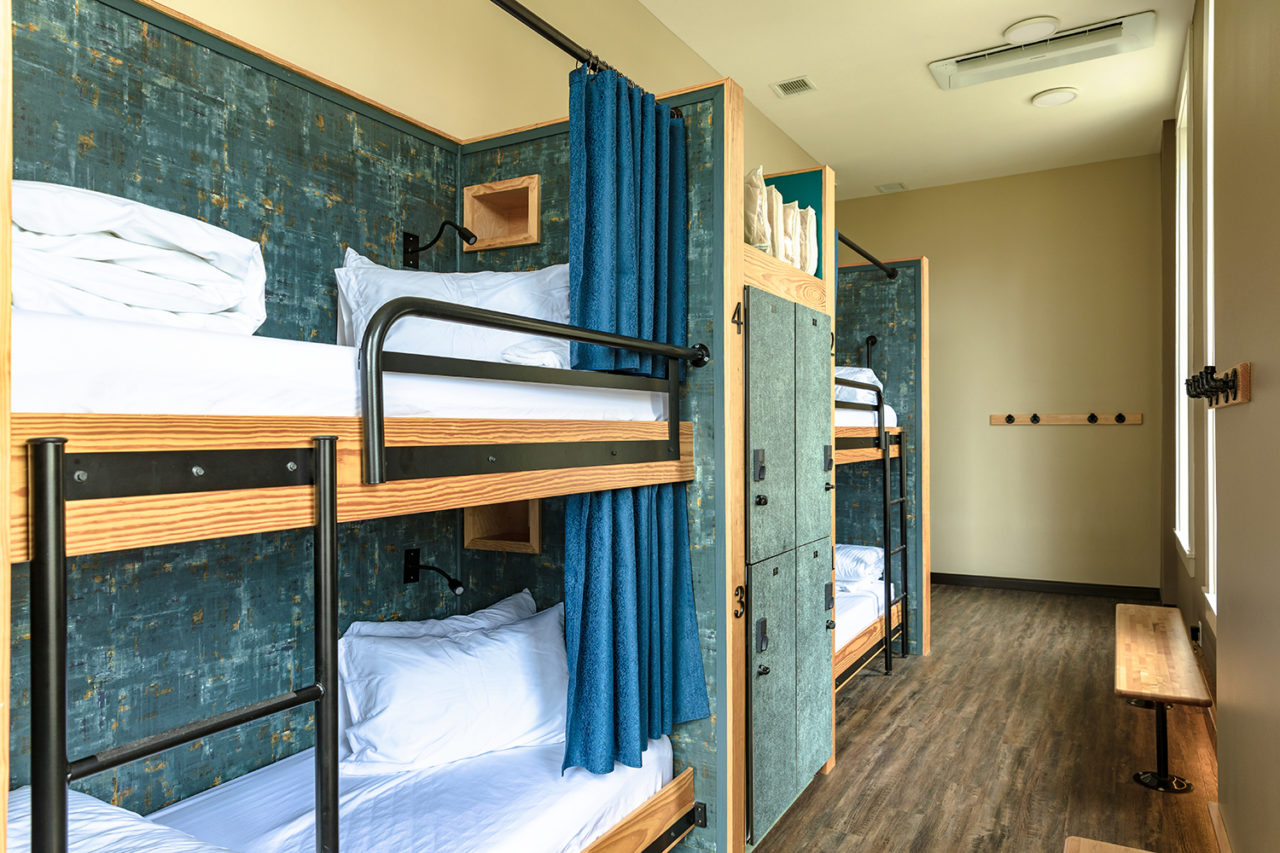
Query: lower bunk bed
(869, 607)
(860, 593)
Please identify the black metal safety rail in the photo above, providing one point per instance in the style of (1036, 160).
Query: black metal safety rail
(381, 463)
(53, 483)
(885, 446)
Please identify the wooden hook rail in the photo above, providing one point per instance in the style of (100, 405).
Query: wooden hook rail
(1088, 419)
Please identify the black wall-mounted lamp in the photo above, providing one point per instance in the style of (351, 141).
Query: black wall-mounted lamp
(409, 260)
(413, 565)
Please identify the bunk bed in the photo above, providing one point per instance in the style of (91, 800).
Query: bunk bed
(857, 644)
(137, 473)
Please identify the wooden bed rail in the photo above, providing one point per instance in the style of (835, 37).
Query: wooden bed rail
(95, 526)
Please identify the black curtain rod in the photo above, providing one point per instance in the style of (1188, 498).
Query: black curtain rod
(551, 34)
(522, 14)
(888, 271)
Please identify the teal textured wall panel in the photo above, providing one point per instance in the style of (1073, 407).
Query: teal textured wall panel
(771, 424)
(813, 660)
(772, 586)
(108, 103)
(545, 155)
(695, 743)
(813, 424)
(868, 303)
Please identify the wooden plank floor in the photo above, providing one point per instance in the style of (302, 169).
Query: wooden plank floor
(1009, 737)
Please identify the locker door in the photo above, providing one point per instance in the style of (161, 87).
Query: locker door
(771, 437)
(772, 680)
(813, 424)
(813, 660)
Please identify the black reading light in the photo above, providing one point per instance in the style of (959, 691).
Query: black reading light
(413, 565)
(411, 247)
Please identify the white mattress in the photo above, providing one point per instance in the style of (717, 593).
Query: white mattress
(857, 606)
(63, 363)
(515, 800)
(860, 418)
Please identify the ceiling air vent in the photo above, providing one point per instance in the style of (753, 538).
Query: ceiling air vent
(793, 86)
(1106, 38)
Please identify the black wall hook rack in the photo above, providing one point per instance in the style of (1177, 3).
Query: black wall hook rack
(1232, 387)
(1092, 418)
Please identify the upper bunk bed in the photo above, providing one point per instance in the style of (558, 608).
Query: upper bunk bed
(433, 462)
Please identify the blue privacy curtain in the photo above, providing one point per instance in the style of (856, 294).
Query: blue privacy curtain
(635, 667)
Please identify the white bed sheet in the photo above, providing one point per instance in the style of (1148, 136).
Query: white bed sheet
(69, 364)
(857, 606)
(514, 801)
(97, 827)
(860, 418)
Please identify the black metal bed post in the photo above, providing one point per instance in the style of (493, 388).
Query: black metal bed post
(886, 452)
(48, 646)
(325, 464)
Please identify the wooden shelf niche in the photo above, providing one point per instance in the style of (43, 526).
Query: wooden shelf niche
(514, 526)
(502, 213)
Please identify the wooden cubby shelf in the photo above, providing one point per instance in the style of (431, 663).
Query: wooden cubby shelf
(514, 526)
(502, 213)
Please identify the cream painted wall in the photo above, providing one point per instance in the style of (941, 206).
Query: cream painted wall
(466, 67)
(1247, 234)
(1045, 296)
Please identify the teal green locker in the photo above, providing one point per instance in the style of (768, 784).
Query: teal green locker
(771, 432)
(813, 660)
(772, 691)
(813, 459)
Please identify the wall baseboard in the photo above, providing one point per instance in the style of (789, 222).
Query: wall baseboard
(1135, 593)
(1219, 828)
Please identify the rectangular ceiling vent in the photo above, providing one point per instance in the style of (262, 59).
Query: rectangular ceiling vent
(792, 87)
(1106, 38)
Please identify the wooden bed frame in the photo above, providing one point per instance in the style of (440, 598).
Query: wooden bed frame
(111, 524)
(862, 649)
(860, 445)
(668, 815)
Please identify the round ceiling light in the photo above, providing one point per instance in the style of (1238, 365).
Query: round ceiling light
(1032, 29)
(1055, 97)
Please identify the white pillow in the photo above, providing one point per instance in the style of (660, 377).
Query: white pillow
(857, 395)
(510, 609)
(859, 562)
(364, 287)
(102, 828)
(420, 702)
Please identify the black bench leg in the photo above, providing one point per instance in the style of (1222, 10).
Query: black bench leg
(1162, 780)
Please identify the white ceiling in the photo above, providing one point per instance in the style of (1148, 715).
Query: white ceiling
(878, 117)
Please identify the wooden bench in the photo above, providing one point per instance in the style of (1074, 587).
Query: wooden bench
(1088, 845)
(1154, 662)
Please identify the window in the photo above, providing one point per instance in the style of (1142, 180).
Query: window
(1210, 345)
(1182, 322)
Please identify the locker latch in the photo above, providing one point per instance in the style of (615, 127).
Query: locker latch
(830, 599)
(828, 461)
(762, 635)
(757, 465)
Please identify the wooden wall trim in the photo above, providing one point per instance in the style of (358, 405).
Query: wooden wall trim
(542, 125)
(734, 647)
(6, 184)
(926, 595)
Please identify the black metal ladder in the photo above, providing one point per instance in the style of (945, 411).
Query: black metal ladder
(891, 550)
(53, 483)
